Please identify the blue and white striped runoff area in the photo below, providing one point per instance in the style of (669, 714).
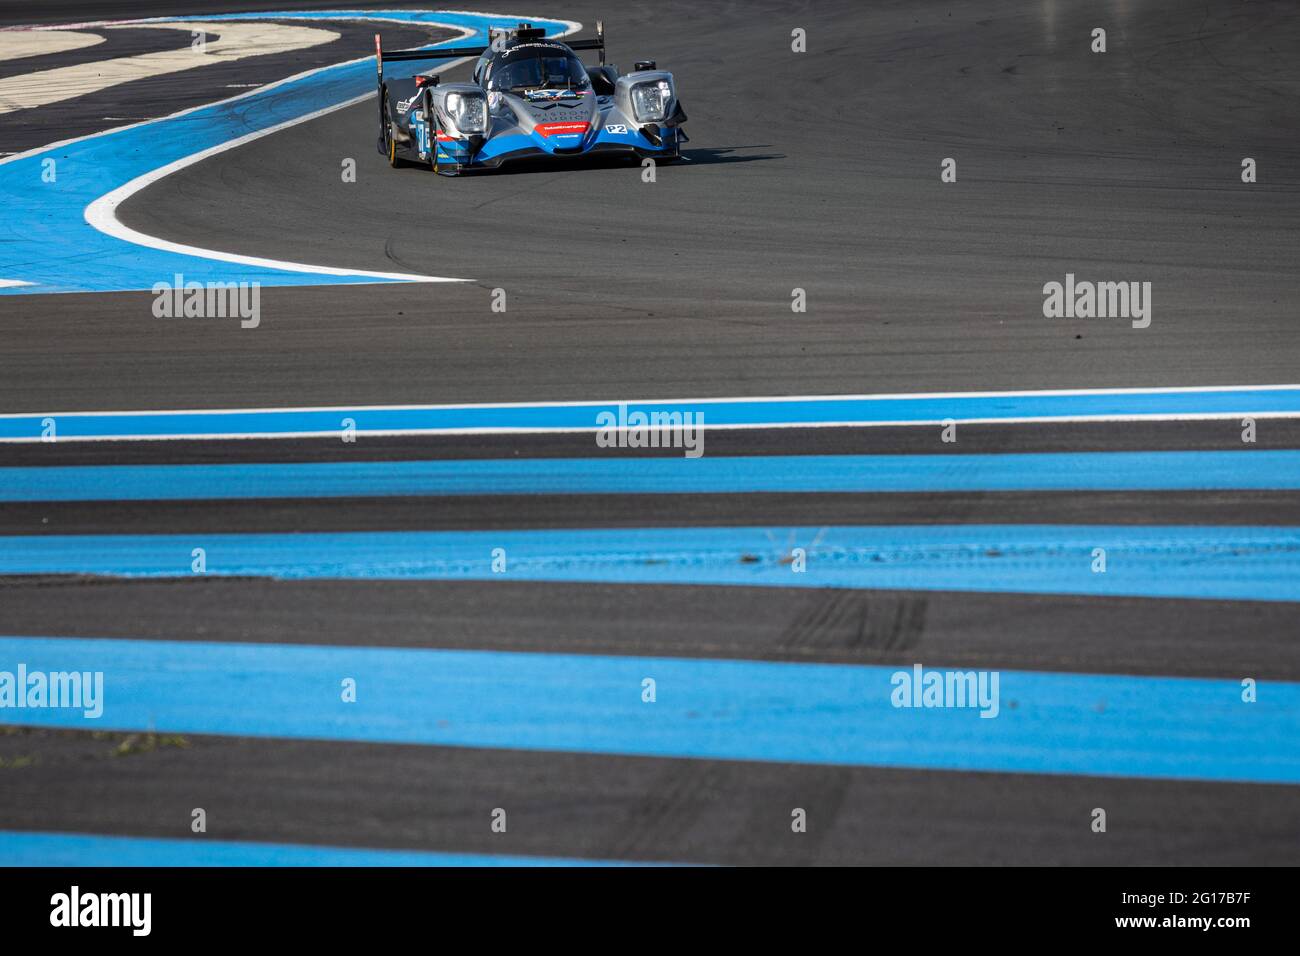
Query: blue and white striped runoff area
(1099, 725)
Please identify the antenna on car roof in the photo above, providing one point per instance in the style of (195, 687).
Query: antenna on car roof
(526, 32)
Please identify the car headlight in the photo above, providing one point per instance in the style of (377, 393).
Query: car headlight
(650, 101)
(467, 112)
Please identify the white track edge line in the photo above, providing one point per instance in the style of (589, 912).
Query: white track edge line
(790, 399)
(412, 432)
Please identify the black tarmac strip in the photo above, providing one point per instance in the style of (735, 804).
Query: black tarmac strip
(628, 808)
(775, 510)
(1050, 632)
(118, 42)
(974, 439)
(817, 172)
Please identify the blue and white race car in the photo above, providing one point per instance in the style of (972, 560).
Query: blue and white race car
(530, 97)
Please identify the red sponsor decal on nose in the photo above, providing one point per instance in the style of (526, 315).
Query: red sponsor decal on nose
(561, 129)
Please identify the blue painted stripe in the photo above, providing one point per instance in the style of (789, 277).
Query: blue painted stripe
(19, 848)
(1088, 471)
(876, 410)
(737, 710)
(1226, 562)
(44, 220)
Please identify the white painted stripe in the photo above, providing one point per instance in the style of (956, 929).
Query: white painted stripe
(19, 44)
(233, 41)
(12, 283)
(881, 396)
(83, 25)
(102, 213)
(1266, 411)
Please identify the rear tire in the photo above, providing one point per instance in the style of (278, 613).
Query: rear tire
(390, 141)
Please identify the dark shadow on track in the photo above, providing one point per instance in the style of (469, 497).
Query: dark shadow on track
(711, 156)
(559, 164)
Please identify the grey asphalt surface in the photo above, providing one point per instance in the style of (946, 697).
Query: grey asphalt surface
(636, 808)
(818, 171)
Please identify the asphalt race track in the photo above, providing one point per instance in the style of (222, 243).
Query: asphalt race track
(520, 687)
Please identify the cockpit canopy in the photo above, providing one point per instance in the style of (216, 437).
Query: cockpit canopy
(534, 66)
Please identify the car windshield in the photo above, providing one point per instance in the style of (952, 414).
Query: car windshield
(555, 71)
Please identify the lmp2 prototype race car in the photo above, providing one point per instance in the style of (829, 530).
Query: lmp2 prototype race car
(530, 97)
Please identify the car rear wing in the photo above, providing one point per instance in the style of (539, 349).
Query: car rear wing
(596, 44)
(445, 53)
(457, 52)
